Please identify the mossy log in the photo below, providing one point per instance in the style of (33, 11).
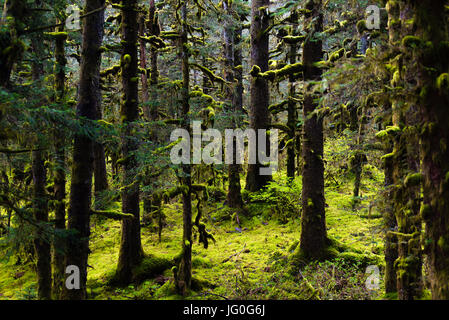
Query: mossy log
(112, 214)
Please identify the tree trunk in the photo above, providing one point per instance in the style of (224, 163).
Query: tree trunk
(184, 273)
(359, 158)
(83, 156)
(259, 115)
(131, 252)
(40, 200)
(391, 241)
(313, 225)
(292, 114)
(431, 74)
(233, 59)
(41, 240)
(60, 177)
(405, 162)
(143, 65)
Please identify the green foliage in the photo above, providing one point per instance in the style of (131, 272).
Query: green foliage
(281, 200)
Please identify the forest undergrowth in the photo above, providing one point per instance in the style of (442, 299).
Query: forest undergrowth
(251, 255)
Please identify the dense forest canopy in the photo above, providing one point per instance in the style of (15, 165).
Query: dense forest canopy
(227, 149)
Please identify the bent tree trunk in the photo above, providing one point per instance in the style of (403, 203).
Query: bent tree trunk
(131, 252)
(313, 225)
(81, 184)
(259, 115)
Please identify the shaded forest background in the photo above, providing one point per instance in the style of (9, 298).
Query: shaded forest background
(89, 99)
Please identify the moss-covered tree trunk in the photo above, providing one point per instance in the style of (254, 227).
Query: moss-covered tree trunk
(313, 225)
(292, 114)
(359, 158)
(405, 160)
(232, 62)
(143, 65)
(259, 117)
(429, 74)
(184, 272)
(131, 252)
(154, 30)
(391, 241)
(89, 98)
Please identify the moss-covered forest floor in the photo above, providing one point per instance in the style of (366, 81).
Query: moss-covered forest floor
(246, 262)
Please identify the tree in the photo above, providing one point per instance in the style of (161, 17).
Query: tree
(233, 61)
(40, 206)
(131, 252)
(184, 271)
(82, 169)
(59, 174)
(426, 49)
(259, 116)
(313, 222)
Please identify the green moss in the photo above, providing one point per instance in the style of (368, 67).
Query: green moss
(396, 79)
(390, 130)
(413, 179)
(334, 56)
(293, 39)
(425, 211)
(58, 35)
(363, 258)
(149, 267)
(255, 70)
(442, 82)
(127, 59)
(411, 42)
(388, 156)
(361, 26)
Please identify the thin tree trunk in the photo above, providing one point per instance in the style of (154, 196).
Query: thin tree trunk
(184, 273)
(232, 35)
(143, 65)
(40, 206)
(291, 107)
(60, 177)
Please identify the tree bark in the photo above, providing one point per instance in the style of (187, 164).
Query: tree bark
(233, 74)
(60, 176)
(431, 74)
(40, 200)
(83, 157)
(313, 224)
(292, 115)
(131, 252)
(259, 115)
(184, 273)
